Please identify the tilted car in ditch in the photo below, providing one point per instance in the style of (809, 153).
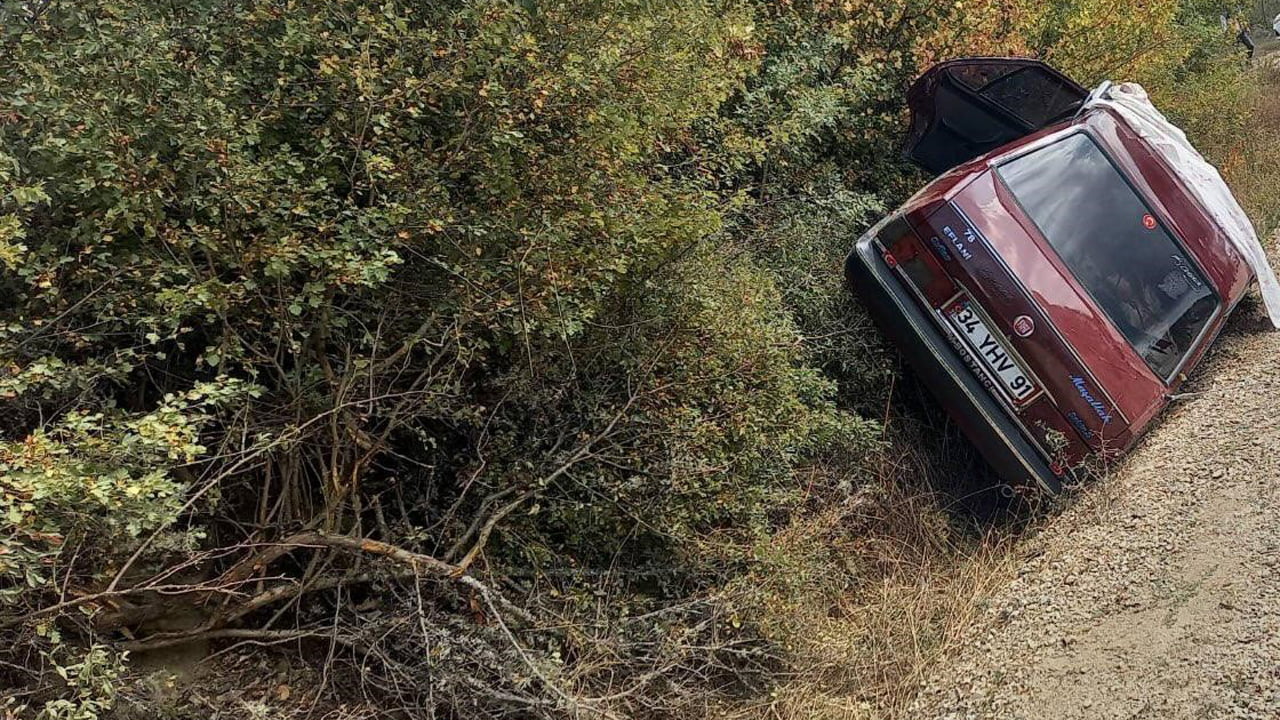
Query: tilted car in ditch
(1057, 282)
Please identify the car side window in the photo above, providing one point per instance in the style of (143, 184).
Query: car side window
(978, 75)
(1034, 95)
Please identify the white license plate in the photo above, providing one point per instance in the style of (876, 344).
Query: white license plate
(990, 351)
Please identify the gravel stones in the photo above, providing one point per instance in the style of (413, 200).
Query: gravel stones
(1155, 593)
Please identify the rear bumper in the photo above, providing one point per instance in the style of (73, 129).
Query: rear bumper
(979, 415)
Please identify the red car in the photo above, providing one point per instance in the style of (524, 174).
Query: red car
(1055, 285)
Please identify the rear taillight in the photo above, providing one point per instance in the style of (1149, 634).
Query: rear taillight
(904, 251)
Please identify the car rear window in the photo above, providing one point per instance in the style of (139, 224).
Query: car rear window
(1111, 241)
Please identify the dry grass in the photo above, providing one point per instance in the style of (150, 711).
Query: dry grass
(870, 594)
(1253, 167)
(867, 658)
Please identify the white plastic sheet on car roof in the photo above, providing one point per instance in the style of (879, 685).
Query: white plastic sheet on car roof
(1130, 101)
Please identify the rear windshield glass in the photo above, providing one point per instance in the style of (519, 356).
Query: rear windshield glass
(1104, 232)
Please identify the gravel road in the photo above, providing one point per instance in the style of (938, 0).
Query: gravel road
(1156, 593)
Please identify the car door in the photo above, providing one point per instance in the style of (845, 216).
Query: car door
(965, 108)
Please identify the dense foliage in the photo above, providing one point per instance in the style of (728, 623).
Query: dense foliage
(546, 293)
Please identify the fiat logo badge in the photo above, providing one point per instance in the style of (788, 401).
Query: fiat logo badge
(1023, 325)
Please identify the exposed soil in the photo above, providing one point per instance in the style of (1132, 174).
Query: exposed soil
(1156, 593)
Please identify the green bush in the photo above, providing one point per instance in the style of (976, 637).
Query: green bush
(330, 265)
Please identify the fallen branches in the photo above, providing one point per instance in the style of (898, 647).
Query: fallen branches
(269, 636)
(420, 563)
